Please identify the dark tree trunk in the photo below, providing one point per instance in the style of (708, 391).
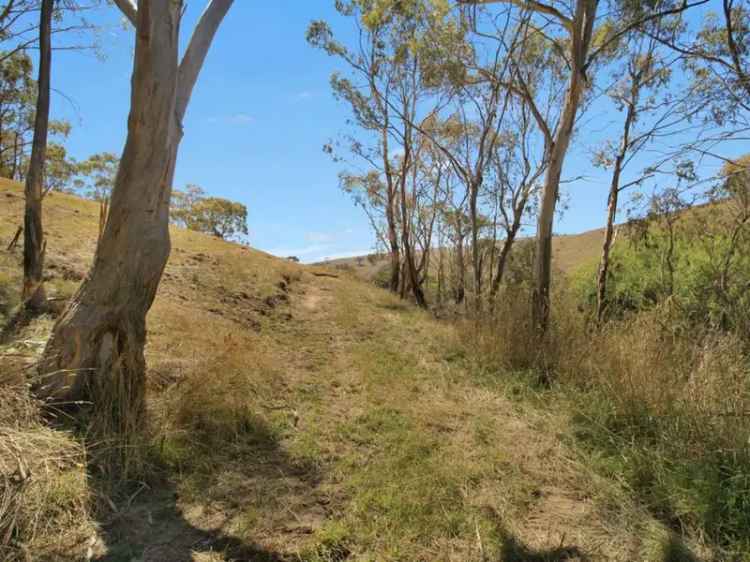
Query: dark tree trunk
(395, 252)
(609, 232)
(459, 290)
(614, 194)
(33, 240)
(476, 266)
(502, 262)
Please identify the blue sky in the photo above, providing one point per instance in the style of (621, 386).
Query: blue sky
(255, 128)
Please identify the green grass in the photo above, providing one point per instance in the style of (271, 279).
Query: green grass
(339, 422)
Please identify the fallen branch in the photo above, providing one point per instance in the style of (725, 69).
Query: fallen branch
(13, 242)
(321, 274)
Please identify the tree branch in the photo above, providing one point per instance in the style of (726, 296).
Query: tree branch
(638, 23)
(733, 48)
(129, 9)
(532, 5)
(195, 55)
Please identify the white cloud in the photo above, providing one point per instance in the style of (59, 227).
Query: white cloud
(321, 246)
(302, 96)
(234, 119)
(342, 255)
(320, 237)
(242, 119)
(306, 253)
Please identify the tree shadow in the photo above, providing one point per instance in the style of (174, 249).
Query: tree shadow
(156, 530)
(674, 550)
(513, 550)
(152, 524)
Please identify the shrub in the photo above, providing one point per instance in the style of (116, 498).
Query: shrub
(656, 400)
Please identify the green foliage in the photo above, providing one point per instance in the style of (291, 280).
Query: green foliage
(220, 217)
(17, 95)
(17, 107)
(699, 261)
(212, 215)
(97, 176)
(720, 80)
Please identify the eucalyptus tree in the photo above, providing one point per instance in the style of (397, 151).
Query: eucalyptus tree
(33, 293)
(17, 100)
(373, 63)
(517, 170)
(388, 92)
(97, 175)
(573, 33)
(717, 54)
(643, 90)
(97, 344)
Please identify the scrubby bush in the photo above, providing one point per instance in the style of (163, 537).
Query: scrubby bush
(657, 398)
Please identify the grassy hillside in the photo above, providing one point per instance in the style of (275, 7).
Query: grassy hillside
(299, 414)
(570, 252)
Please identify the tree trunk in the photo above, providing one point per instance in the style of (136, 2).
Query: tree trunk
(614, 193)
(395, 252)
(412, 281)
(543, 263)
(580, 41)
(96, 349)
(609, 232)
(475, 257)
(440, 271)
(502, 260)
(459, 291)
(34, 297)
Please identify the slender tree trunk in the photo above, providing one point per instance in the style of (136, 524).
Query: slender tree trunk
(476, 266)
(392, 195)
(14, 169)
(543, 263)
(33, 240)
(502, 260)
(393, 242)
(411, 267)
(96, 348)
(614, 194)
(580, 41)
(459, 291)
(609, 233)
(440, 271)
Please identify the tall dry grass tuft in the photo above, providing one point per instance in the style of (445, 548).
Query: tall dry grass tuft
(661, 404)
(44, 494)
(210, 408)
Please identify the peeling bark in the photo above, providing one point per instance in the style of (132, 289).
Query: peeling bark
(96, 348)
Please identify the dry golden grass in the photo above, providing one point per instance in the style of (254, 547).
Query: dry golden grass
(302, 417)
(44, 496)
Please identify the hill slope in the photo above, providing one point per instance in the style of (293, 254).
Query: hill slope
(300, 414)
(569, 252)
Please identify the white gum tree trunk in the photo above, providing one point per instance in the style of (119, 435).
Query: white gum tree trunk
(96, 348)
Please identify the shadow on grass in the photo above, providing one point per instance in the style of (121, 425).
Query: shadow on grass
(674, 550)
(514, 551)
(154, 525)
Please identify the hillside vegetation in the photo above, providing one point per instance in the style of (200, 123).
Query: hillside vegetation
(296, 413)
(570, 252)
